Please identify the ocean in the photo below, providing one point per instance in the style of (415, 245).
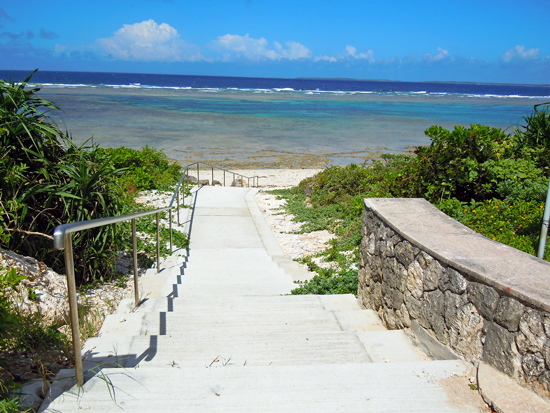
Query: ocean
(265, 122)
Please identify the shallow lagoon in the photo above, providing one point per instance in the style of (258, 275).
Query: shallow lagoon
(284, 128)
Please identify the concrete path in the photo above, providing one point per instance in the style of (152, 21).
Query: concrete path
(218, 331)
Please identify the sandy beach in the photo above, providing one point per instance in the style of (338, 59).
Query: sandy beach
(266, 178)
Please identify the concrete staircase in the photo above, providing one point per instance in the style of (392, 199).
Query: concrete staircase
(217, 331)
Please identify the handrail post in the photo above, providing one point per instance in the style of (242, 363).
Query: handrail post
(183, 192)
(170, 219)
(178, 203)
(158, 242)
(212, 182)
(73, 308)
(198, 176)
(224, 177)
(134, 245)
(544, 227)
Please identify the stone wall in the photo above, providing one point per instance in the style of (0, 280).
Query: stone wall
(486, 301)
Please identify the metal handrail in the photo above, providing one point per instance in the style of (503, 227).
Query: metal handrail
(63, 240)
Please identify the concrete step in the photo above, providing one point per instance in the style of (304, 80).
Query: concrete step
(292, 268)
(271, 303)
(413, 387)
(219, 290)
(208, 348)
(243, 322)
(391, 346)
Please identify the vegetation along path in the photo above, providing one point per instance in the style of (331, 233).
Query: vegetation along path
(218, 331)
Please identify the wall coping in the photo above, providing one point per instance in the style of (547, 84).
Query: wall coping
(507, 269)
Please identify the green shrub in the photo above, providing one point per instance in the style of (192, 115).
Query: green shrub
(144, 169)
(456, 164)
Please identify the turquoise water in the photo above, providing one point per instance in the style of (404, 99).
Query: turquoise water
(332, 124)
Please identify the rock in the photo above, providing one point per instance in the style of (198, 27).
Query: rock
(413, 305)
(484, 298)
(452, 280)
(432, 309)
(396, 298)
(371, 244)
(308, 191)
(414, 280)
(533, 365)
(378, 298)
(508, 313)
(218, 183)
(452, 304)
(31, 394)
(50, 288)
(239, 182)
(431, 275)
(404, 253)
(500, 349)
(424, 259)
(189, 178)
(406, 316)
(532, 337)
(204, 182)
(465, 332)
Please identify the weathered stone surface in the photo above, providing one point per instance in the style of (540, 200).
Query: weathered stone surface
(375, 264)
(396, 298)
(533, 365)
(388, 272)
(432, 310)
(414, 280)
(388, 249)
(484, 298)
(532, 338)
(392, 319)
(413, 305)
(452, 280)
(546, 322)
(362, 275)
(452, 303)
(500, 350)
(404, 253)
(378, 299)
(371, 244)
(466, 330)
(431, 276)
(406, 315)
(401, 275)
(508, 313)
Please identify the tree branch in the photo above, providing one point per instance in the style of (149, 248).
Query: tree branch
(29, 232)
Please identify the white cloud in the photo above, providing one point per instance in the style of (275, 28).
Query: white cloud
(441, 54)
(519, 52)
(257, 49)
(352, 52)
(325, 58)
(148, 41)
(349, 53)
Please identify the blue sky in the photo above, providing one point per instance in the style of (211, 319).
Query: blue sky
(455, 40)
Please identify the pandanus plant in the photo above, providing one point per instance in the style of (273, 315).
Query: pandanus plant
(47, 180)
